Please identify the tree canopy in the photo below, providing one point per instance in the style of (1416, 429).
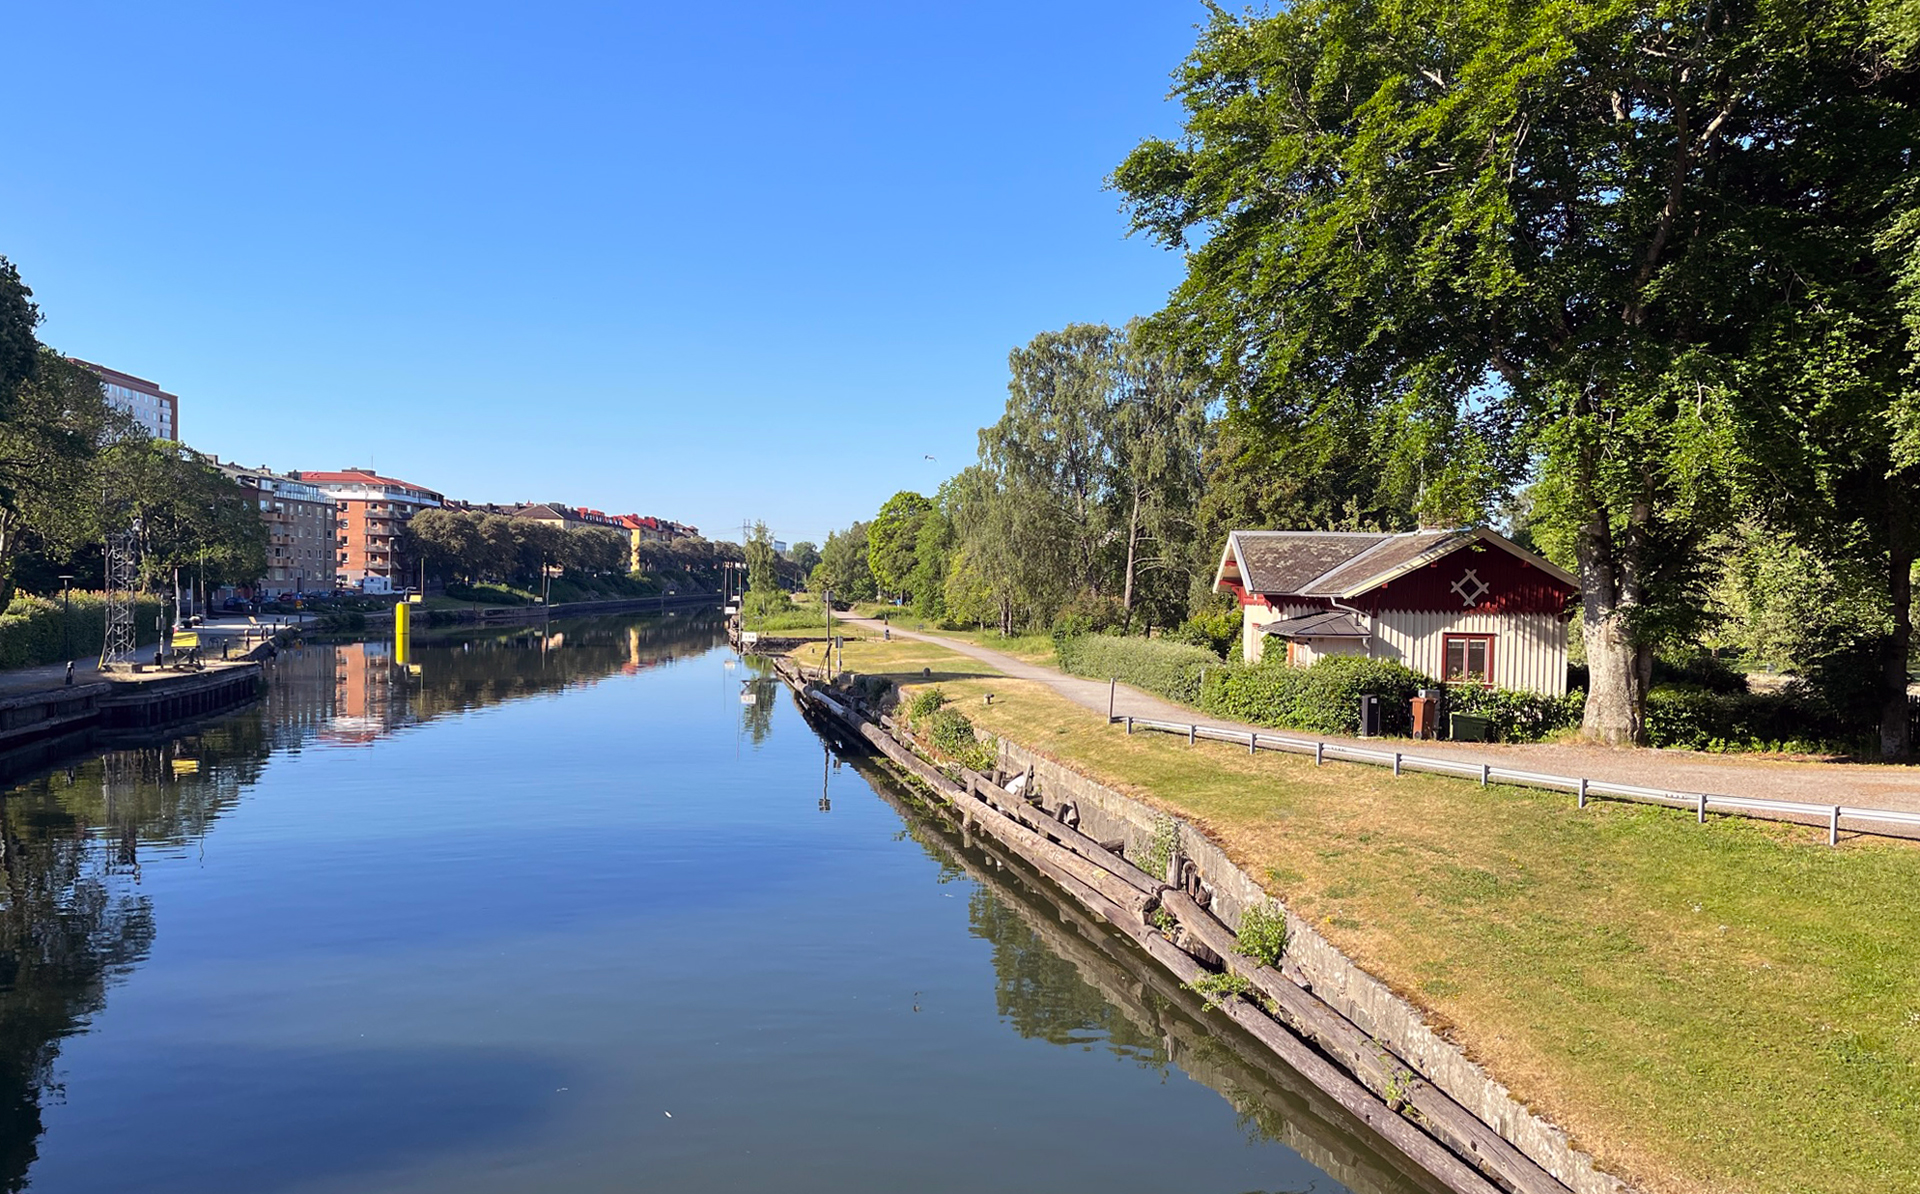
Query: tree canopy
(1575, 239)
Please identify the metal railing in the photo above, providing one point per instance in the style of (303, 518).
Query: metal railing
(1582, 788)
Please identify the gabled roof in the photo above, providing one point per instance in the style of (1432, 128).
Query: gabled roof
(1287, 561)
(1343, 564)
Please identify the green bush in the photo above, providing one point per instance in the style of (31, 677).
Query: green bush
(1696, 718)
(1217, 629)
(925, 704)
(1323, 698)
(34, 631)
(951, 735)
(1171, 669)
(1516, 716)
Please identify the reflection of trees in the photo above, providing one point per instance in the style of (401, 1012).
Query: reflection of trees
(70, 921)
(1042, 993)
(1066, 978)
(756, 717)
(71, 916)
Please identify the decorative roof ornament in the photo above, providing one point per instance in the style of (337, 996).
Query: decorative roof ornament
(1471, 588)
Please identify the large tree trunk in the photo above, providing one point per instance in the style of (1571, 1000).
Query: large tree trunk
(1619, 669)
(1895, 724)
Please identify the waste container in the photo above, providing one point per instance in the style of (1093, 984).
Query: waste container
(1370, 716)
(1426, 716)
(1469, 727)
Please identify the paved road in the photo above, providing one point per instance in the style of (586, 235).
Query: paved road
(1862, 784)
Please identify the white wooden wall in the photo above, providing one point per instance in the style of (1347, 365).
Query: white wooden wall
(1529, 650)
(1252, 617)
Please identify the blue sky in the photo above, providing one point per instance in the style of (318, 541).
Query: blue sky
(707, 262)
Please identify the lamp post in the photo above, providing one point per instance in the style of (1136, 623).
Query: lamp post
(66, 614)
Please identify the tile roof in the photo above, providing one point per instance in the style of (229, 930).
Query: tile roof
(1382, 560)
(1337, 564)
(1286, 561)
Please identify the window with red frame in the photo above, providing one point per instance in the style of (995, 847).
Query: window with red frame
(1468, 658)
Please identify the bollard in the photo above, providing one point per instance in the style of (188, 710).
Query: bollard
(1253, 740)
(69, 673)
(1396, 762)
(1129, 724)
(1833, 827)
(1319, 754)
(1191, 731)
(1583, 793)
(1486, 773)
(1703, 808)
(1112, 683)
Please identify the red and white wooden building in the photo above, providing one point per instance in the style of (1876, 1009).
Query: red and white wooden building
(1459, 605)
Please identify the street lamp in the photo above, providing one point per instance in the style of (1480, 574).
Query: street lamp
(66, 614)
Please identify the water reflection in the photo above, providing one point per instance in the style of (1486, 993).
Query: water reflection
(565, 871)
(1068, 979)
(72, 838)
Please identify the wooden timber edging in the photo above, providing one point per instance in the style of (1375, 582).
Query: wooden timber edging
(1361, 1070)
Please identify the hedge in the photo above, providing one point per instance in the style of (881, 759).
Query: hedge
(1696, 718)
(1516, 716)
(1324, 697)
(1171, 669)
(34, 631)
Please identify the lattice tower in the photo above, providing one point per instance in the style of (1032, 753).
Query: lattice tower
(123, 575)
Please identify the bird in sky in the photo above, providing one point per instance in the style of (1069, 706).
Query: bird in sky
(927, 457)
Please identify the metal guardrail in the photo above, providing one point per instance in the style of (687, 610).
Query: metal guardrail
(1584, 789)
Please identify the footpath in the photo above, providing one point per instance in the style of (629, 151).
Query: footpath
(1866, 785)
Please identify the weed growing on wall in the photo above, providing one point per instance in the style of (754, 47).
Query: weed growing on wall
(1219, 989)
(1263, 933)
(1159, 848)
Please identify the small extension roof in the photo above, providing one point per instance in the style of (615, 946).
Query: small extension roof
(1340, 565)
(1331, 623)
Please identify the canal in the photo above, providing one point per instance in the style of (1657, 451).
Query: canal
(582, 908)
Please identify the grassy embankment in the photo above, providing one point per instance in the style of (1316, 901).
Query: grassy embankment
(1728, 1007)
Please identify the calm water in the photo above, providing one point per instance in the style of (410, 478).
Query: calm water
(560, 912)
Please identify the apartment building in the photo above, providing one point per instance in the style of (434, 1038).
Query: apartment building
(302, 530)
(154, 408)
(370, 512)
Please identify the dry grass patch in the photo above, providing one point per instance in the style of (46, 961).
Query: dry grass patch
(1728, 1007)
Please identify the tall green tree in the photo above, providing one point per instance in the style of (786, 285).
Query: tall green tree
(50, 480)
(20, 351)
(893, 540)
(1508, 236)
(188, 515)
(1159, 430)
(843, 566)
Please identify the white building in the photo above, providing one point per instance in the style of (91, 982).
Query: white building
(1462, 606)
(154, 408)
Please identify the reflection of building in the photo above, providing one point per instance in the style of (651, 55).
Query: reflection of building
(372, 510)
(362, 694)
(302, 540)
(154, 408)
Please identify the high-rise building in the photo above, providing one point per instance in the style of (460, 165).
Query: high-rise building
(370, 511)
(154, 408)
(302, 530)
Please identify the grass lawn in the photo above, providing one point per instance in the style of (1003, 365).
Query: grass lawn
(1728, 1007)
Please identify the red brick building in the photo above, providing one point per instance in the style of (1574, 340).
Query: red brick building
(371, 510)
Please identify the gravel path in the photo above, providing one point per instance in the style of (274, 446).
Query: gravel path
(1818, 782)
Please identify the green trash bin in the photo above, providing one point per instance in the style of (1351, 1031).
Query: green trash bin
(1469, 727)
